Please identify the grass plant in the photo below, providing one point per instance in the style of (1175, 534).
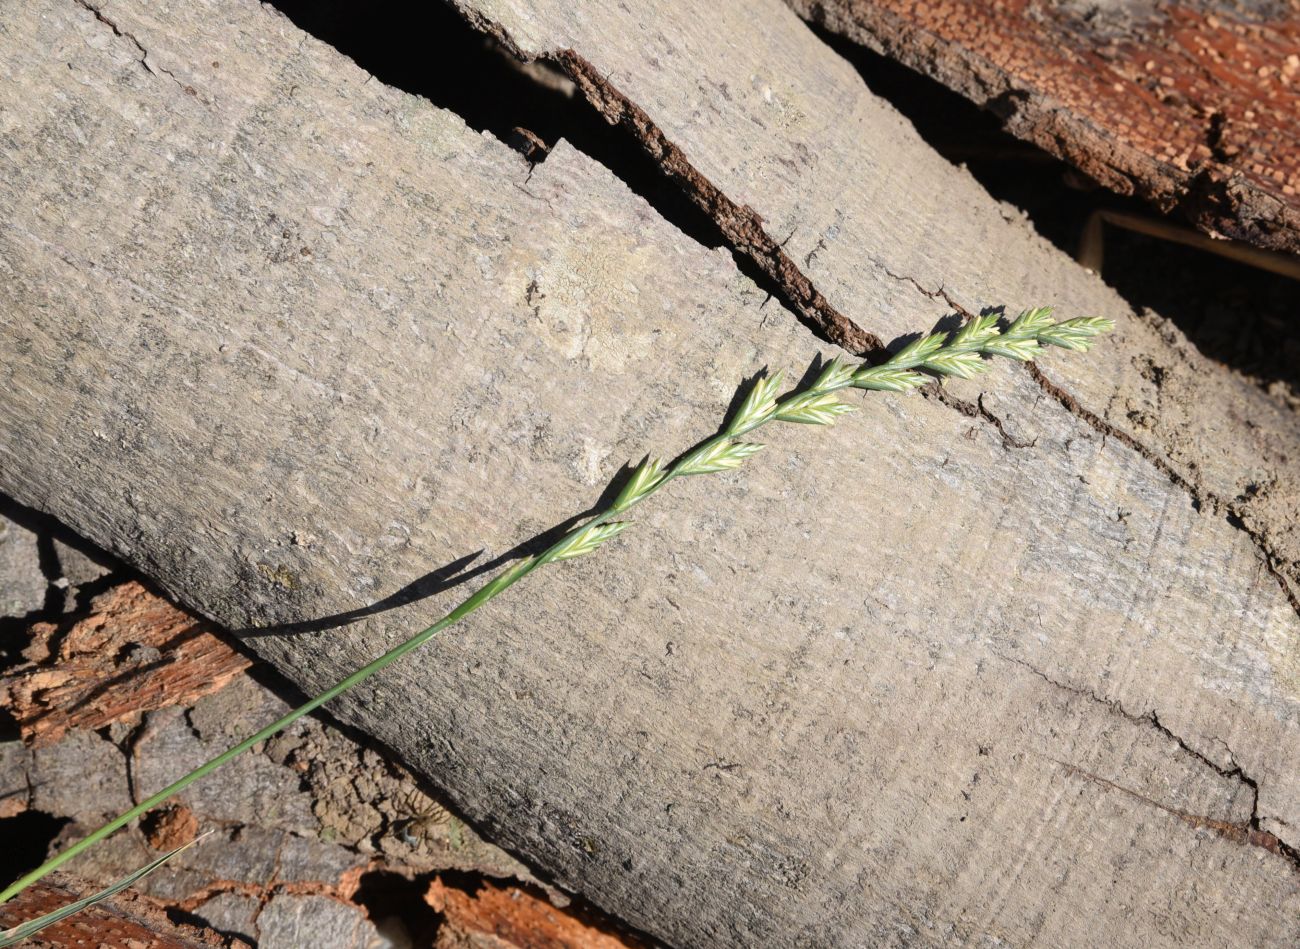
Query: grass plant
(963, 353)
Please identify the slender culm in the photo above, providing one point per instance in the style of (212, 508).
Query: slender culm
(961, 354)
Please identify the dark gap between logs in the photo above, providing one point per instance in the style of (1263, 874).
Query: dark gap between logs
(429, 51)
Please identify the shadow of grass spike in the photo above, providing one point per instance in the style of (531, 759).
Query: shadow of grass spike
(940, 354)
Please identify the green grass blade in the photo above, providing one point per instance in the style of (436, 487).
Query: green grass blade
(11, 937)
(719, 453)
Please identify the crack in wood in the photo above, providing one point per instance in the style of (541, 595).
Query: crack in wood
(1202, 499)
(743, 228)
(123, 34)
(1249, 831)
(741, 225)
(977, 410)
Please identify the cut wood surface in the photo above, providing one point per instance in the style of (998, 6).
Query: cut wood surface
(980, 667)
(1193, 106)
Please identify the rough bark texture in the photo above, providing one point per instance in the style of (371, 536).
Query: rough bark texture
(125, 921)
(307, 826)
(1193, 106)
(979, 667)
(135, 652)
(495, 917)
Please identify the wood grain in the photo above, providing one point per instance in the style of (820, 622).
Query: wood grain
(780, 135)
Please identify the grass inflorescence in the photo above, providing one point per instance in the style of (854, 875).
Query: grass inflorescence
(962, 353)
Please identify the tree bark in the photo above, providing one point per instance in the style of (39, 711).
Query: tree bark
(1190, 106)
(1001, 663)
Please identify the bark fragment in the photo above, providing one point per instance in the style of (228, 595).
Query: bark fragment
(125, 921)
(299, 824)
(496, 917)
(133, 653)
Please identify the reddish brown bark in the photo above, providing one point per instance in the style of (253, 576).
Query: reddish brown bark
(512, 917)
(125, 921)
(134, 653)
(1193, 106)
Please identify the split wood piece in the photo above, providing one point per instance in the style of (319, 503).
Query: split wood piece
(1194, 107)
(133, 653)
(780, 141)
(925, 675)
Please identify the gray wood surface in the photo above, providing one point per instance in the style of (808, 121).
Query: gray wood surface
(289, 340)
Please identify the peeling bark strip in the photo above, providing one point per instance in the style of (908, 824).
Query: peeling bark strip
(784, 129)
(742, 712)
(513, 918)
(134, 653)
(1194, 106)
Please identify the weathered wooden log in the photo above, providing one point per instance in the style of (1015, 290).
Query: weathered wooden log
(984, 666)
(1193, 107)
